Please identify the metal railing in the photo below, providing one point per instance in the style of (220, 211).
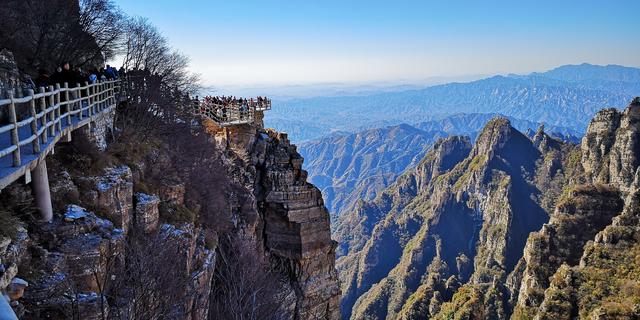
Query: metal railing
(34, 122)
(232, 113)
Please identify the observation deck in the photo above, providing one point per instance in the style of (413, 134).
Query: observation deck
(230, 112)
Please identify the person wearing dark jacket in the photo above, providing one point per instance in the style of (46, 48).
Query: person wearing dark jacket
(43, 79)
(56, 77)
(67, 75)
(110, 73)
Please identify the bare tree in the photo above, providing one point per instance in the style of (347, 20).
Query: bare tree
(103, 21)
(150, 286)
(246, 288)
(44, 34)
(145, 48)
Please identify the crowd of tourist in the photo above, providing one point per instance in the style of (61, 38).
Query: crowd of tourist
(227, 101)
(66, 74)
(220, 105)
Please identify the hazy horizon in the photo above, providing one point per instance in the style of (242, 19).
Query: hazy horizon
(281, 43)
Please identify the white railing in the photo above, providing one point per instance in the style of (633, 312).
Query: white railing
(233, 113)
(35, 121)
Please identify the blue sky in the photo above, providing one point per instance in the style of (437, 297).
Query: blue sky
(237, 42)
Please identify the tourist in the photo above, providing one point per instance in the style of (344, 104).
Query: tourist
(93, 76)
(110, 73)
(43, 79)
(68, 76)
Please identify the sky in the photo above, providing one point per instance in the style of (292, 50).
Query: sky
(271, 43)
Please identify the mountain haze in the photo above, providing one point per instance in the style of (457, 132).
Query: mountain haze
(567, 96)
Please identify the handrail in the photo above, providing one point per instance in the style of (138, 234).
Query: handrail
(42, 113)
(56, 91)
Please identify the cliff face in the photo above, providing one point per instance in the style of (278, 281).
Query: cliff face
(507, 232)
(292, 222)
(152, 235)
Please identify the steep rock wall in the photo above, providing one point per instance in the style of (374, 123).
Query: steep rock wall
(289, 216)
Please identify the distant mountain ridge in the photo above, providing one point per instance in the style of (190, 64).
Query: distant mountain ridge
(586, 71)
(567, 96)
(352, 167)
(348, 167)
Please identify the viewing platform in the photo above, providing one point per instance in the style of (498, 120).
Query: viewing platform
(226, 111)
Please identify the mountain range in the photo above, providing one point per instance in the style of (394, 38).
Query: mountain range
(348, 167)
(567, 96)
(508, 227)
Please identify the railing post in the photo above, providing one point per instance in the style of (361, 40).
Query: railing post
(57, 121)
(103, 94)
(78, 96)
(99, 95)
(110, 93)
(50, 115)
(40, 181)
(43, 119)
(91, 90)
(34, 122)
(66, 98)
(86, 85)
(15, 138)
(106, 94)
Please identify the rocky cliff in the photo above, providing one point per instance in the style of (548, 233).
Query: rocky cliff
(293, 223)
(507, 231)
(140, 231)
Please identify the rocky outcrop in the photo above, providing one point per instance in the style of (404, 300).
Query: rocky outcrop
(611, 146)
(111, 194)
(68, 266)
(72, 264)
(98, 131)
(586, 211)
(12, 252)
(146, 212)
(286, 215)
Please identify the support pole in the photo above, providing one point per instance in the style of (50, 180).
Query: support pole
(40, 185)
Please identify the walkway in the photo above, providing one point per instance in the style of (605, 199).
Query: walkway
(34, 123)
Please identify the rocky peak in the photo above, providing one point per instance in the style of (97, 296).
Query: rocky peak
(543, 141)
(445, 154)
(493, 136)
(611, 146)
(597, 143)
